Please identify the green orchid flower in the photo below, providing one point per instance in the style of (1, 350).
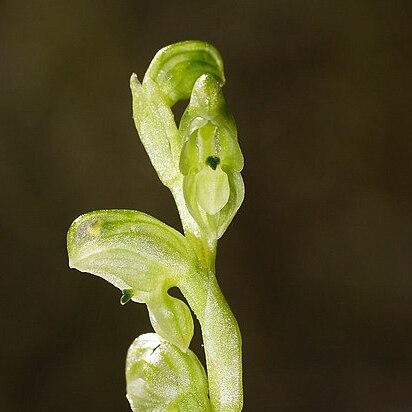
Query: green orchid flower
(211, 159)
(160, 377)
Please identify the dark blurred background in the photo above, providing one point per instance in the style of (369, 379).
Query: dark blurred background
(317, 264)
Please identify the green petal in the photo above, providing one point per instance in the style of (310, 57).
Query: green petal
(168, 311)
(175, 68)
(237, 194)
(137, 253)
(207, 113)
(160, 377)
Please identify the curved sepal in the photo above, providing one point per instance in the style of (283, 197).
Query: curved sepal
(160, 377)
(157, 129)
(141, 256)
(175, 68)
(211, 159)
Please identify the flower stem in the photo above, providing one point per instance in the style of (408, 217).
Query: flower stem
(222, 342)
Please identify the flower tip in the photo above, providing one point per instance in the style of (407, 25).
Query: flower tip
(134, 81)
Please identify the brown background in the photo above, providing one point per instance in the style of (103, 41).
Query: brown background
(317, 264)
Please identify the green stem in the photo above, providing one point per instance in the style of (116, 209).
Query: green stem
(220, 331)
(204, 247)
(222, 342)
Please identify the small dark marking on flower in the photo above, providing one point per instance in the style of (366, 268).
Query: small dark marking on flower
(154, 350)
(213, 162)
